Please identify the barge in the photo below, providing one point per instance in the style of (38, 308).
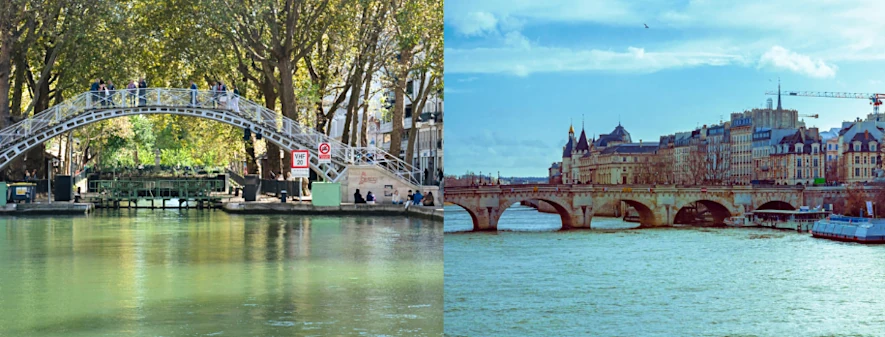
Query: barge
(851, 229)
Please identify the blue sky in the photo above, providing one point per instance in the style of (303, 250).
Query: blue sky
(518, 71)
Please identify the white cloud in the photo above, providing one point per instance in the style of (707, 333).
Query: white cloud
(525, 61)
(475, 23)
(815, 36)
(780, 57)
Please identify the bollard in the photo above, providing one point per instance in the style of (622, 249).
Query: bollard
(283, 196)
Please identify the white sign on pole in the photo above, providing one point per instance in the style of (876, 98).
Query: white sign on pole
(325, 153)
(870, 208)
(300, 163)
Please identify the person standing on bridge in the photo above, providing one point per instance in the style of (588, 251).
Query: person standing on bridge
(235, 100)
(111, 90)
(214, 93)
(193, 94)
(222, 94)
(94, 89)
(103, 93)
(131, 89)
(142, 91)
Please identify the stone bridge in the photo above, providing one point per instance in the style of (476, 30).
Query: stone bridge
(656, 205)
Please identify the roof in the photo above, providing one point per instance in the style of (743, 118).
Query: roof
(619, 134)
(567, 150)
(864, 139)
(632, 148)
(582, 143)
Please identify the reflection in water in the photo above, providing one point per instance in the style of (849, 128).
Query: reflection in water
(206, 272)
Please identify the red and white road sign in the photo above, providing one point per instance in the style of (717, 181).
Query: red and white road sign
(325, 153)
(300, 163)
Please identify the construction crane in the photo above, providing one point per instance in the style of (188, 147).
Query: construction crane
(810, 116)
(875, 99)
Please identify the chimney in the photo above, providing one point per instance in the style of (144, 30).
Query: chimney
(814, 133)
(866, 134)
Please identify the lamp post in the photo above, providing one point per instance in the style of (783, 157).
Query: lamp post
(49, 177)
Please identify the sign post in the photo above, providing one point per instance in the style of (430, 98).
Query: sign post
(325, 153)
(300, 163)
(300, 167)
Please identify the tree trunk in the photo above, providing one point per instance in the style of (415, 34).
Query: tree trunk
(365, 126)
(273, 151)
(402, 75)
(353, 102)
(6, 45)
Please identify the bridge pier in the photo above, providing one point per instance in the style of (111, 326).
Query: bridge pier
(486, 219)
(580, 217)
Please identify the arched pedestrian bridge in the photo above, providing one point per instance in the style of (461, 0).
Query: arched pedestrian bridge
(656, 205)
(91, 107)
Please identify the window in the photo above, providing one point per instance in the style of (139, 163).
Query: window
(856, 160)
(857, 172)
(829, 147)
(799, 162)
(799, 174)
(408, 112)
(624, 159)
(872, 147)
(856, 147)
(814, 163)
(864, 159)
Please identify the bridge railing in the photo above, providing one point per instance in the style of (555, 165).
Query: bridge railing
(216, 100)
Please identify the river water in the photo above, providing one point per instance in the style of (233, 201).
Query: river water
(611, 281)
(207, 273)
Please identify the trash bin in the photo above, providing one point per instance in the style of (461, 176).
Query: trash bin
(283, 196)
(22, 192)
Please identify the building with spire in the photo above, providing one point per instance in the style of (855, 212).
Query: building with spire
(611, 158)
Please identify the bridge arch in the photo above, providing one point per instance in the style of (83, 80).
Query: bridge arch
(715, 209)
(776, 205)
(473, 216)
(86, 109)
(564, 212)
(646, 214)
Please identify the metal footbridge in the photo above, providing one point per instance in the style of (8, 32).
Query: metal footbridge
(91, 107)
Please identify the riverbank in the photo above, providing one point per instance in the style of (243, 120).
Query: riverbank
(432, 213)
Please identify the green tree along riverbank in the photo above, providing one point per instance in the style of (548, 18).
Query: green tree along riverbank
(304, 59)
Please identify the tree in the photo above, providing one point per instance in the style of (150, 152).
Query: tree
(418, 31)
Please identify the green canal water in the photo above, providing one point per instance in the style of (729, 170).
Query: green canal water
(207, 273)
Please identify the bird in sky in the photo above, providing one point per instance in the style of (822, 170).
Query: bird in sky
(646, 26)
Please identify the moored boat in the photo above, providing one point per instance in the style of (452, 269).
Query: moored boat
(853, 229)
(740, 221)
(801, 220)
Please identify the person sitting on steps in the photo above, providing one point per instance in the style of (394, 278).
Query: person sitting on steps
(370, 198)
(428, 199)
(358, 198)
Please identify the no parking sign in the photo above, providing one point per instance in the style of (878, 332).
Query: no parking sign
(325, 153)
